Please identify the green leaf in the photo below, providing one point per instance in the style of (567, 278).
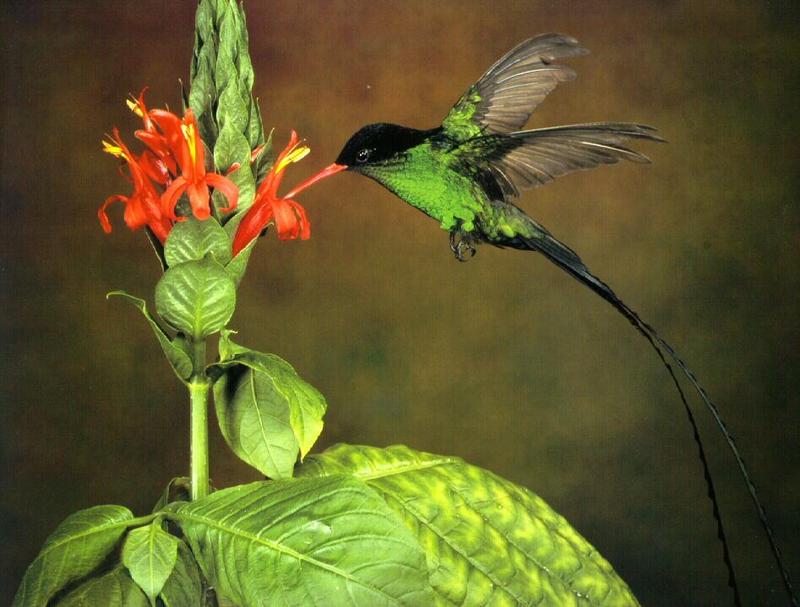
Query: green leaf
(255, 422)
(203, 93)
(174, 349)
(227, 347)
(306, 405)
(192, 240)
(184, 588)
(231, 148)
(114, 589)
(178, 489)
(150, 553)
(267, 413)
(233, 110)
(330, 541)
(158, 248)
(238, 265)
(255, 131)
(488, 541)
(77, 547)
(196, 297)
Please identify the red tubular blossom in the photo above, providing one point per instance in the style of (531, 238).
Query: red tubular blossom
(142, 208)
(181, 137)
(290, 217)
(172, 164)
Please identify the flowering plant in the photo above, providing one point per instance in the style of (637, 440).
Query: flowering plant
(351, 526)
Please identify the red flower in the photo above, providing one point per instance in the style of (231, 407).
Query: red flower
(143, 207)
(182, 139)
(173, 163)
(159, 160)
(290, 218)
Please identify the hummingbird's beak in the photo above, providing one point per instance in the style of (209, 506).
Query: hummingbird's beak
(329, 170)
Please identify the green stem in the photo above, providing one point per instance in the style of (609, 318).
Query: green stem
(198, 397)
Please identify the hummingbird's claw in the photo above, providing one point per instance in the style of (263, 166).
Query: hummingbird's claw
(465, 247)
(461, 246)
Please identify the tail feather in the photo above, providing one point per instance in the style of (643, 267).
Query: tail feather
(568, 260)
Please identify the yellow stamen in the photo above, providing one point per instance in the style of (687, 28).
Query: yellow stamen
(133, 105)
(189, 135)
(113, 149)
(295, 155)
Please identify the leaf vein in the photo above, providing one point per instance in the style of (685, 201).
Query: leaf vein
(285, 550)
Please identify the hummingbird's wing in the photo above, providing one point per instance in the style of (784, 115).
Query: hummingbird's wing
(506, 95)
(525, 159)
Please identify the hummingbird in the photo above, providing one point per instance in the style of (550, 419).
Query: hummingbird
(466, 173)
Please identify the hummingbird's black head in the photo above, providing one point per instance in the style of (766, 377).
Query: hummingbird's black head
(378, 143)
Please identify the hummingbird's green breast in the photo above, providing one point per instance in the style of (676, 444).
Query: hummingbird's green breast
(425, 179)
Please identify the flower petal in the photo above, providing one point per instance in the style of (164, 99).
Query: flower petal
(170, 126)
(161, 229)
(103, 216)
(256, 218)
(154, 167)
(229, 189)
(285, 220)
(302, 220)
(158, 145)
(170, 197)
(198, 198)
(136, 215)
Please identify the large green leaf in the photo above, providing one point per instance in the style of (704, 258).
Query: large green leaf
(488, 541)
(184, 587)
(192, 240)
(315, 541)
(114, 589)
(196, 297)
(150, 553)
(176, 354)
(73, 550)
(267, 413)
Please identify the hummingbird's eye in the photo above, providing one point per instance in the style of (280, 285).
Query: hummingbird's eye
(363, 155)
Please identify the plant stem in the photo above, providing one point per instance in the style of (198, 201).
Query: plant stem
(198, 397)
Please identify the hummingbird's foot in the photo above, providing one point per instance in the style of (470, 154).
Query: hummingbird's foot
(453, 241)
(461, 244)
(465, 251)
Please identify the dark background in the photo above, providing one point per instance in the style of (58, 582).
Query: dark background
(505, 360)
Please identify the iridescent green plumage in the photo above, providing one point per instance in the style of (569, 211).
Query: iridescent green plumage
(428, 181)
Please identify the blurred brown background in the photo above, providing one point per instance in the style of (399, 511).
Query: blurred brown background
(505, 360)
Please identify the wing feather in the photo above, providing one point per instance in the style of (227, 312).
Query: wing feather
(506, 95)
(525, 159)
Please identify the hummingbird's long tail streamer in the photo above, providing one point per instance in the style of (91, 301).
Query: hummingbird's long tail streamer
(568, 260)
